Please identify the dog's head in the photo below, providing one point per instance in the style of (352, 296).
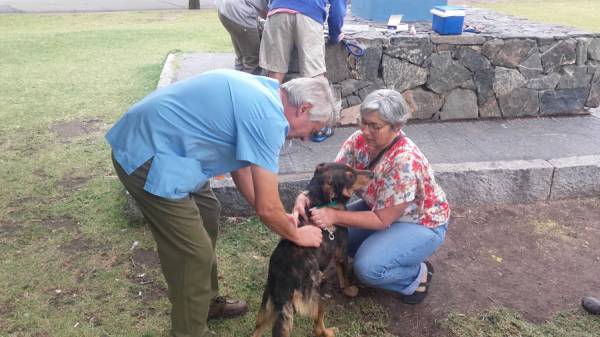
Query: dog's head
(333, 182)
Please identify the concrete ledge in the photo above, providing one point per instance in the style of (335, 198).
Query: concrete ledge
(517, 181)
(575, 177)
(495, 182)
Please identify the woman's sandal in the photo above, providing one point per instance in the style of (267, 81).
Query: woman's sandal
(418, 296)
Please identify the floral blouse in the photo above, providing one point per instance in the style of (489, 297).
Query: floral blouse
(402, 175)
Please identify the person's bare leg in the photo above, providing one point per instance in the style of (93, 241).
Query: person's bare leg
(278, 76)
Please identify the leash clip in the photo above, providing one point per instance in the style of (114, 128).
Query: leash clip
(331, 236)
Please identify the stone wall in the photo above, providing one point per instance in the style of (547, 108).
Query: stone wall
(514, 68)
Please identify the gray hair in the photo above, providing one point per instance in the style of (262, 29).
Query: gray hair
(389, 104)
(316, 91)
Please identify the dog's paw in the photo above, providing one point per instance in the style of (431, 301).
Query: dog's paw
(320, 332)
(328, 333)
(350, 291)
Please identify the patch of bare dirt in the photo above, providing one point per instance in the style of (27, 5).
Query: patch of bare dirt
(74, 183)
(61, 298)
(147, 258)
(40, 173)
(5, 309)
(24, 150)
(93, 319)
(14, 205)
(144, 276)
(9, 228)
(147, 312)
(537, 259)
(75, 128)
(81, 244)
(41, 334)
(59, 223)
(148, 292)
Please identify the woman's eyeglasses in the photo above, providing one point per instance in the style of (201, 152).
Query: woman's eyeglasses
(372, 127)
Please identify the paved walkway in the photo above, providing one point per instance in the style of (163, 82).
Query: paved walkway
(516, 160)
(57, 6)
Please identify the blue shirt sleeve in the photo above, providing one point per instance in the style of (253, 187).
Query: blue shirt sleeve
(260, 141)
(335, 20)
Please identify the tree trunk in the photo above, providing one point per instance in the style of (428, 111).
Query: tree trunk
(194, 4)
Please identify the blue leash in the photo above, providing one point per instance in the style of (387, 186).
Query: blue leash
(354, 48)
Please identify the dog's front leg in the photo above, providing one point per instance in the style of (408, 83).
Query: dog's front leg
(319, 329)
(341, 268)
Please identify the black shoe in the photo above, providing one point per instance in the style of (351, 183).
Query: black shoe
(418, 296)
(223, 307)
(591, 305)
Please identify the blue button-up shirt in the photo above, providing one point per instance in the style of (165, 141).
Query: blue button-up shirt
(194, 129)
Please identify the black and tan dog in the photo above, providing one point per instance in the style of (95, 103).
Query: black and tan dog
(296, 273)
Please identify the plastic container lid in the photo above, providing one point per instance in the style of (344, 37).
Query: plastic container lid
(449, 8)
(446, 11)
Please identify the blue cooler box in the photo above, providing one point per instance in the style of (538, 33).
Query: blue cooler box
(448, 20)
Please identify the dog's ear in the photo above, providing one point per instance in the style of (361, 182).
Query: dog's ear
(347, 188)
(320, 168)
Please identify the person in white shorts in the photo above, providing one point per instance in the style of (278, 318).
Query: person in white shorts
(298, 24)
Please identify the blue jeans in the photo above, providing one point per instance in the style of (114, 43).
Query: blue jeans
(393, 258)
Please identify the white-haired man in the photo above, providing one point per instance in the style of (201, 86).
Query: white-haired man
(168, 145)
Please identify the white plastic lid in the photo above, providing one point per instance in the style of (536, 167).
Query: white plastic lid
(445, 14)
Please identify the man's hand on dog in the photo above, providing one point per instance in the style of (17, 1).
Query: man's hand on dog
(308, 236)
(293, 219)
(302, 202)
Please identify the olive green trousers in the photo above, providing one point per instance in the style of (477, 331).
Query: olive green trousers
(185, 231)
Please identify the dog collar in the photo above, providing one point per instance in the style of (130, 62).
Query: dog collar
(329, 204)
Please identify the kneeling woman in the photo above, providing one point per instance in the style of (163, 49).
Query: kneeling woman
(402, 216)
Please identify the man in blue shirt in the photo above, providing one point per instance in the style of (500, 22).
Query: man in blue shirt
(167, 147)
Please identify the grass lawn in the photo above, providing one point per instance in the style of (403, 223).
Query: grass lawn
(584, 14)
(70, 265)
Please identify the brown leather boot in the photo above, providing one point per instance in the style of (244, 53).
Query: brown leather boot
(592, 305)
(223, 307)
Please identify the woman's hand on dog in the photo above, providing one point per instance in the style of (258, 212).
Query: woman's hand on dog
(323, 217)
